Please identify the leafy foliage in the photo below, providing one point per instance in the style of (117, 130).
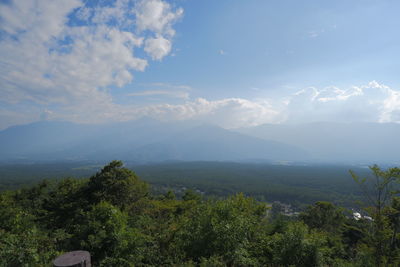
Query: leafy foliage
(379, 192)
(113, 215)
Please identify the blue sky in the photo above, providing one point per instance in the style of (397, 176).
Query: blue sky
(233, 63)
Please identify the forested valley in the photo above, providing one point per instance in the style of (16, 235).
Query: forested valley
(122, 221)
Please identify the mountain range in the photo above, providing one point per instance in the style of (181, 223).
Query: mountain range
(337, 142)
(148, 140)
(144, 140)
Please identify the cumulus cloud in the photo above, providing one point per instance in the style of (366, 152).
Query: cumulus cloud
(156, 16)
(234, 112)
(158, 47)
(104, 14)
(372, 102)
(43, 59)
(69, 53)
(228, 112)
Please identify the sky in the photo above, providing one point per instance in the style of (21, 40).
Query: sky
(232, 63)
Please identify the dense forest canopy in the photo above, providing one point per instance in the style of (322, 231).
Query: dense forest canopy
(298, 185)
(114, 215)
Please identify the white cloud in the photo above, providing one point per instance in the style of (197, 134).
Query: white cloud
(372, 102)
(169, 93)
(47, 60)
(156, 16)
(105, 14)
(52, 68)
(228, 112)
(235, 112)
(157, 47)
(164, 89)
(44, 19)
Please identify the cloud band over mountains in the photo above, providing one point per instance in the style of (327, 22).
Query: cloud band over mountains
(61, 59)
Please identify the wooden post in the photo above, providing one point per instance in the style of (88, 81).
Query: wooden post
(79, 258)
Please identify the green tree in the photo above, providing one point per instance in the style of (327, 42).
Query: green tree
(393, 214)
(63, 204)
(379, 192)
(223, 229)
(105, 233)
(117, 185)
(28, 248)
(190, 194)
(323, 215)
(296, 246)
